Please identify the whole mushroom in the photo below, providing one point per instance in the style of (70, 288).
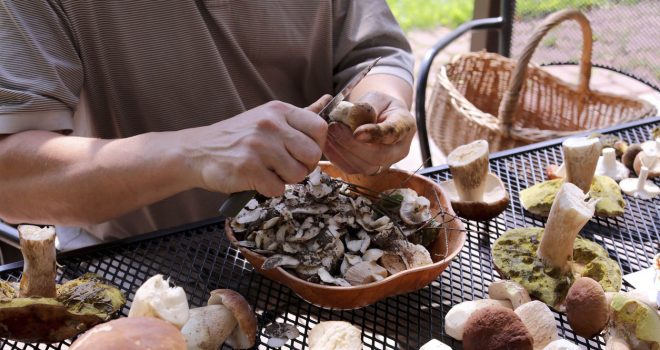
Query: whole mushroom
(338, 335)
(474, 192)
(586, 307)
(496, 328)
(135, 333)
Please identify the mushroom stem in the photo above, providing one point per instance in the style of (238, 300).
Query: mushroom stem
(616, 341)
(469, 166)
(641, 181)
(609, 158)
(568, 214)
(39, 268)
(581, 156)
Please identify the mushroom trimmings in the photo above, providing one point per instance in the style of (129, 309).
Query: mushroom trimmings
(325, 232)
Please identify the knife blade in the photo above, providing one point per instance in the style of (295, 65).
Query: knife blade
(237, 201)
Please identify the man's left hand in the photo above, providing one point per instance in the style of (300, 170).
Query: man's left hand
(372, 147)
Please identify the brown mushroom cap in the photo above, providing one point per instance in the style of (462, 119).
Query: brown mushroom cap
(244, 335)
(495, 200)
(640, 160)
(628, 157)
(131, 334)
(496, 328)
(586, 307)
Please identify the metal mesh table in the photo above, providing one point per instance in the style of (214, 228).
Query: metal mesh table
(199, 258)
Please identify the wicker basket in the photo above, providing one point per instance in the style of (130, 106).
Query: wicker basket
(532, 105)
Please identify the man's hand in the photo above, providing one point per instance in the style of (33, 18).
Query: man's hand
(372, 146)
(261, 149)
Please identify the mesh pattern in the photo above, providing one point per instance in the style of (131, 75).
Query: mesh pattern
(200, 259)
(625, 37)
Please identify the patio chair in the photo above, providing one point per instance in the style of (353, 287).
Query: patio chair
(504, 24)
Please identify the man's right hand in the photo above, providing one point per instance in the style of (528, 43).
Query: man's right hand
(261, 149)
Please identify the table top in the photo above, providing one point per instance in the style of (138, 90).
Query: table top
(199, 258)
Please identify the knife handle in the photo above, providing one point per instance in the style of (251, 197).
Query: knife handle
(236, 201)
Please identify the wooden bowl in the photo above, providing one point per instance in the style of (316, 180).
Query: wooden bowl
(403, 282)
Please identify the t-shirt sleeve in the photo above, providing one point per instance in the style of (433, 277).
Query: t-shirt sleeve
(40, 70)
(364, 30)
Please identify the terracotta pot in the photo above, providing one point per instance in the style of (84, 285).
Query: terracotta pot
(400, 283)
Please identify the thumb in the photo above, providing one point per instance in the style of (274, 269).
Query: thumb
(317, 106)
(390, 131)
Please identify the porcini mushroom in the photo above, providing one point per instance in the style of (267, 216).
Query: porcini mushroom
(581, 157)
(640, 187)
(353, 114)
(628, 157)
(334, 335)
(474, 192)
(245, 333)
(540, 323)
(280, 333)
(365, 272)
(509, 290)
(649, 157)
(208, 327)
(496, 328)
(40, 310)
(609, 166)
(155, 298)
(135, 333)
(460, 313)
(586, 307)
(546, 261)
(634, 322)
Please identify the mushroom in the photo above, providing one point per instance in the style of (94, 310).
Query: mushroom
(540, 323)
(553, 171)
(474, 192)
(545, 261)
(630, 154)
(155, 298)
(245, 333)
(460, 313)
(633, 322)
(496, 328)
(208, 327)
(581, 157)
(538, 198)
(609, 166)
(611, 141)
(435, 344)
(561, 344)
(280, 333)
(133, 333)
(39, 310)
(334, 335)
(640, 187)
(280, 260)
(586, 307)
(649, 157)
(365, 272)
(509, 290)
(353, 114)
(326, 277)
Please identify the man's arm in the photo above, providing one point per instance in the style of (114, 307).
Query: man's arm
(48, 178)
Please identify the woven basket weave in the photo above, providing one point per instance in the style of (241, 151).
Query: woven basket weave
(533, 106)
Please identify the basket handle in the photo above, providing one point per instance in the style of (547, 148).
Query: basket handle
(511, 97)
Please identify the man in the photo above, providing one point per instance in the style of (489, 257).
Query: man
(177, 102)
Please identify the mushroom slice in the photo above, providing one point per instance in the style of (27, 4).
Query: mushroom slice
(392, 262)
(312, 209)
(270, 223)
(280, 260)
(540, 322)
(636, 321)
(247, 244)
(327, 278)
(251, 213)
(415, 211)
(365, 272)
(372, 254)
(494, 201)
(292, 248)
(509, 290)
(307, 271)
(349, 260)
(280, 333)
(414, 255)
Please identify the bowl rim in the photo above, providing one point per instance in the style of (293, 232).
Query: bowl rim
(462, 238)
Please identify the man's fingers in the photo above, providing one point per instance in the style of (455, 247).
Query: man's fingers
(304, 150)
(380, 102)
(392, 130)
(270, 184)
(310, 124)
(317, 106)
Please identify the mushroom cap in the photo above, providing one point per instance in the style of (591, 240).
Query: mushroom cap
(460, 313)
(540, 322)
(586, 307)
(495, 200)
(628, 157)
(365, 272)
(334, 335)
(642, 158)
(354, 114)
(496, 328)
(243, 336)
(132, 334)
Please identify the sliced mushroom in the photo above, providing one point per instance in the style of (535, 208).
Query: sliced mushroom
(280, 333)
(365, 272)
(328, 278)
(372, 254)
(415, 210)
(540, 323)
(474, 192)
(509, 290)
(635, 322)
(335, 335)
(280, 260)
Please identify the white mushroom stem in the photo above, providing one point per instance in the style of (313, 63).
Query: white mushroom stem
(39, 268)
(568, 214)
(609, 166)
(469, 166)
(580, 157)
(640, 187)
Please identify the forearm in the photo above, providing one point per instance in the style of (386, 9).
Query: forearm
(52, 179)
(387, 84)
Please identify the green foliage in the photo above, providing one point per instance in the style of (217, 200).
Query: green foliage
(535, 8)
(424, 14)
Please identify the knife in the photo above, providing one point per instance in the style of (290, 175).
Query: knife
(237, 201)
